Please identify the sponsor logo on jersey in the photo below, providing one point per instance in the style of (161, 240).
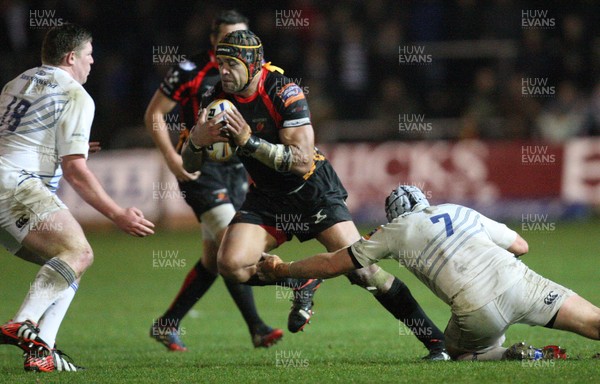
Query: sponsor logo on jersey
(220, 195)
(290, 93)
(551, 297)
(260, 123)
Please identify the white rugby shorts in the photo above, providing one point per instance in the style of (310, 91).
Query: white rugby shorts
(20, 209)
(533, 300)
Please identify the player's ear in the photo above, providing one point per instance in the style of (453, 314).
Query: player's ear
(70, 57)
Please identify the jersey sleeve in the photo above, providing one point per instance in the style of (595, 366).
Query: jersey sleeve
(74, 125)
(174, 83)
(499, 233)
(370, 251)
(292, 104)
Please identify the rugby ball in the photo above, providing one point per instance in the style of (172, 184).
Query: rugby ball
(221, 151)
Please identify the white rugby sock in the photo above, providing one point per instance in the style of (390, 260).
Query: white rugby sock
(54, 315)
(51, 281)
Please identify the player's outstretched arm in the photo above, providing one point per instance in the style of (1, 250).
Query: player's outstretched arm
(83, 181)
(154, 120)
(322, 265)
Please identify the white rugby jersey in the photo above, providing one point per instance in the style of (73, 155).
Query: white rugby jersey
(45, 114)
(456, 251)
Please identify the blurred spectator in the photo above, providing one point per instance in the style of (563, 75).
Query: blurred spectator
(575, 54)
(353, 71)
(346, 54)
(481, 118)
(592, 118)
(535, 57)
(519, 112)
(562, 118)
(502, 20)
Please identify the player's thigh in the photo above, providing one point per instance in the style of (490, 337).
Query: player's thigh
(60, 235)
(243, 245)
(536, 299)
(339, 235)
(476, 331)
(580, 316)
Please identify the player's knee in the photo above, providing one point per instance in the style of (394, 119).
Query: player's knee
(596, 324)
(86, 257)
(231, 270)
(373, 279)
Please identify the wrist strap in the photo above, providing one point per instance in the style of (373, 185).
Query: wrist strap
(193, 146)
(251, 145)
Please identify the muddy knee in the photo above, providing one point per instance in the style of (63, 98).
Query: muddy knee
(372, 278)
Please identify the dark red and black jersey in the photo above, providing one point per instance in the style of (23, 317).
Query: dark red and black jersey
(185, 83)
(277, 104)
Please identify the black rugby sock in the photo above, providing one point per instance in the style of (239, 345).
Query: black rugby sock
(244, 299)
(401, 303)
(195, 285)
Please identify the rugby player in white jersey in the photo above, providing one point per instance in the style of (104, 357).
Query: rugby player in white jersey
(45, 121)
(471, 263)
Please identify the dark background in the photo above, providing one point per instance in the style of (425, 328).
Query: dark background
(346, 56)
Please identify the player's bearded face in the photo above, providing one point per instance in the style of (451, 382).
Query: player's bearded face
(233, 75)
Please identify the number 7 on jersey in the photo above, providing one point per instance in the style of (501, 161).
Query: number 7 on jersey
(447, 222)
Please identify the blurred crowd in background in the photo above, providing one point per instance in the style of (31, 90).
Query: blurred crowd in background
(478, 57)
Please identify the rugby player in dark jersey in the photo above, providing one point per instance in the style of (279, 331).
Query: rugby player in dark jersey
(214, 193)
(294, 191)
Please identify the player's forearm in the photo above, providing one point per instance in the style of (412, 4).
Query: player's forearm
(319, 266)
(159, 131)
(280, 157)
(192, 158)
(91, 191)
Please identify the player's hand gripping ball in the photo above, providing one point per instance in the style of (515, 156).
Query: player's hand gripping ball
(221, 151)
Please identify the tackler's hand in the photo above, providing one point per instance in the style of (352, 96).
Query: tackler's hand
(269, 268)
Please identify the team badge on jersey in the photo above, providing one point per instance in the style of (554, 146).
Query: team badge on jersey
(550, 298)
(290, 93)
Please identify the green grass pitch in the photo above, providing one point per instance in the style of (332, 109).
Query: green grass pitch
(351, 339)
